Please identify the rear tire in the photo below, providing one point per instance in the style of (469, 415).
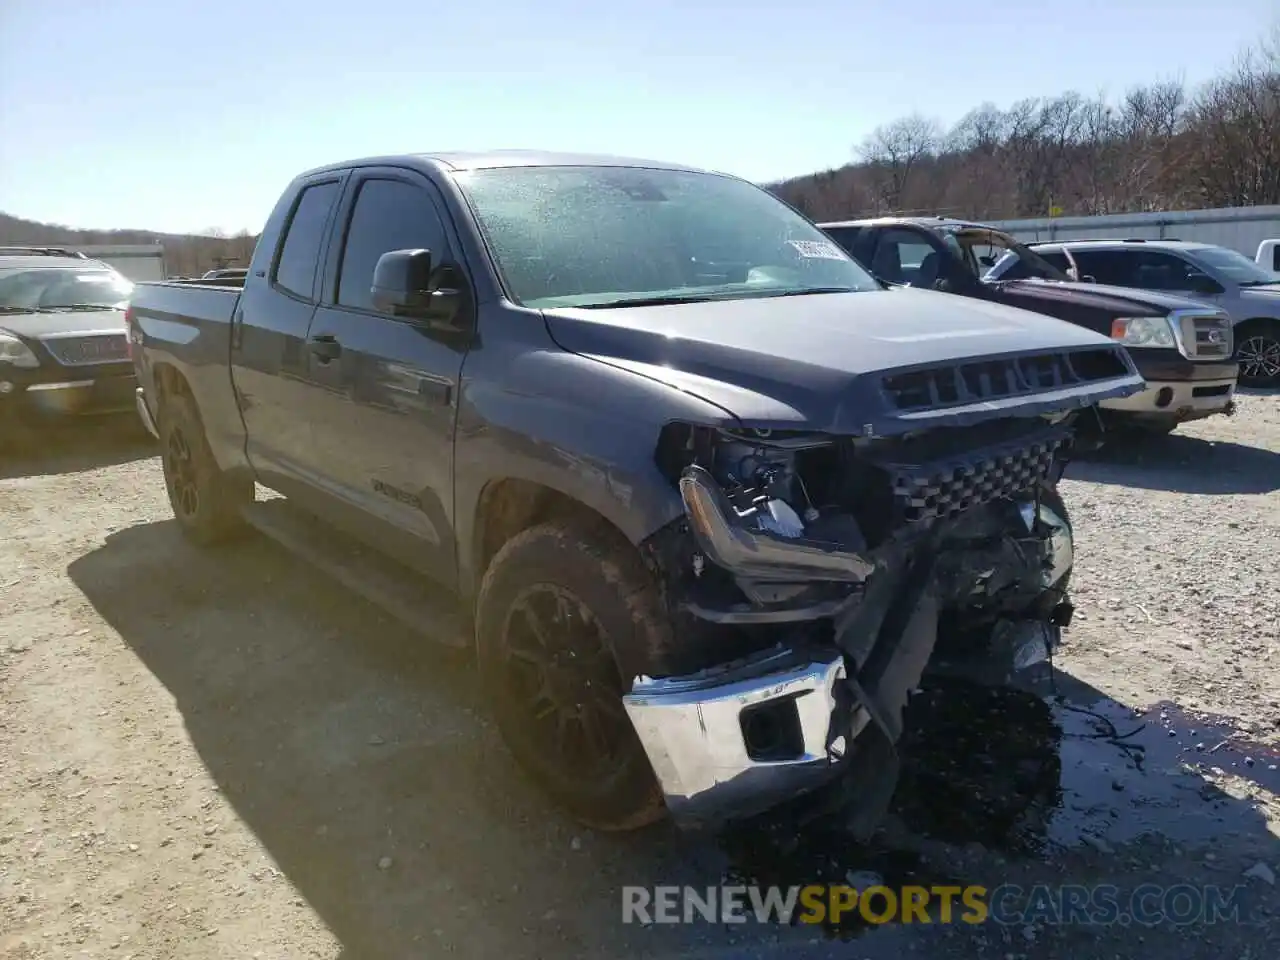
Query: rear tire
(556, 604)
(206, 502)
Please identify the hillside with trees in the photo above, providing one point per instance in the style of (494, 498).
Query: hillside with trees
(184, 254)
(1160, 147)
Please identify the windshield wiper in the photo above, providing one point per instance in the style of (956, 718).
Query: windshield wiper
(10, 308)
(1260, 283)
(705, 298)
(809, 290)
(647, 302)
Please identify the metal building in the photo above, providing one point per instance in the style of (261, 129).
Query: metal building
(1239, 228)
(137, 261)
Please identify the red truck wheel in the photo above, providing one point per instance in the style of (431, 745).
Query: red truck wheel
(554, 604)
(205, 502)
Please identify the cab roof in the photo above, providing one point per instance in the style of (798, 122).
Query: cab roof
(936, 222)
(456, 161)
(1121, 244)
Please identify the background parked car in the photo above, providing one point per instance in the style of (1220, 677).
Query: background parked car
(1246, 290)
(62, 336)
(1182, 347)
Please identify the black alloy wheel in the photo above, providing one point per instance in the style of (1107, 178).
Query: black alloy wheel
(560, 674)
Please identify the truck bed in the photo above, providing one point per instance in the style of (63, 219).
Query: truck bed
(195, 300)
(187, 326)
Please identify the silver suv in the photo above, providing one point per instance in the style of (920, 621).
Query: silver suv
(1249, 293)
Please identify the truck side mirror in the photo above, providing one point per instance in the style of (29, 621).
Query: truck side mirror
(405, 285)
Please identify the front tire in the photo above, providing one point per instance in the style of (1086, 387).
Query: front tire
(556, 605)
(206, 502)
(1258, 351)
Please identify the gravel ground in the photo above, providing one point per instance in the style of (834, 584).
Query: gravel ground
(221, 754)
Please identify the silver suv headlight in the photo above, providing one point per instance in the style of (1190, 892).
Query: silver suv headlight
(16, 353)
(1143, 332)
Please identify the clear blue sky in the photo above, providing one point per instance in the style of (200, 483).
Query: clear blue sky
(172, 115)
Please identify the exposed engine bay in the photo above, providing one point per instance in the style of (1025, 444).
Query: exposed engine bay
(810, 518)
(811, 564)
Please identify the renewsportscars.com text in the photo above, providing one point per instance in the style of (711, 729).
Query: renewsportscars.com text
(1007, 904)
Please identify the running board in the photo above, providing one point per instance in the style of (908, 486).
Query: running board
(385, 583)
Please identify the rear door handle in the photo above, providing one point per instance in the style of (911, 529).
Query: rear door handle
(325, 346)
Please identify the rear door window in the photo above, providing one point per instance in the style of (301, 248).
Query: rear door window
(1115, 267)
(299, 257)
(1056, 258)
(845, 237)
(1012, 267)
(905, 256)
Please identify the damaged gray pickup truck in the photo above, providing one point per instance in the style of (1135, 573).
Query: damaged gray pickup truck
(703, 497)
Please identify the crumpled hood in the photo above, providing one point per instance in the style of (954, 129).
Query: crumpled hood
(41, 326)
(1110, 300)
(817, 362)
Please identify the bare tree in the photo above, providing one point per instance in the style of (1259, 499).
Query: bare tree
(1235, 133)
(893, 152)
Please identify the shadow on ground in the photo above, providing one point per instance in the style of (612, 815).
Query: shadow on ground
(340, 739)
(73, 446)
(1180, 464)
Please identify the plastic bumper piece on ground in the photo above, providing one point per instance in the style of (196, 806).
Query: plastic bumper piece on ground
(144, 413)
(736, 741)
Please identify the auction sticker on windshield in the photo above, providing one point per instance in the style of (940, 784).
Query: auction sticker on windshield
(817, 250)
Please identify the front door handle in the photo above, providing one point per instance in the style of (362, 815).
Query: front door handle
(326, 347)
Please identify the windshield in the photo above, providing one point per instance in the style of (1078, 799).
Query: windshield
(41, 288)
(1235, 266)
(611, 236)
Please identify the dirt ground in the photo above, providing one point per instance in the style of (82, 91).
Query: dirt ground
(222, 754)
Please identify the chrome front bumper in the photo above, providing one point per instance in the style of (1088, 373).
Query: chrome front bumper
(1179, 400)
(713, 739)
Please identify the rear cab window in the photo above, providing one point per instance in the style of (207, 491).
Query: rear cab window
(299, 257)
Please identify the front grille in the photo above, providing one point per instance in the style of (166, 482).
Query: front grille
(82, 351)
(1205, 337)
(944, 488)
(965, 383)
